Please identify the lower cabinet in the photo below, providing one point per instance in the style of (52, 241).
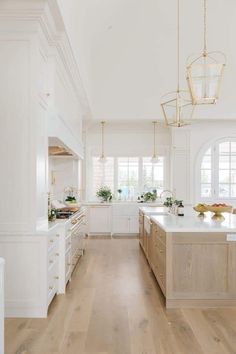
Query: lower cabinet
(99, 219)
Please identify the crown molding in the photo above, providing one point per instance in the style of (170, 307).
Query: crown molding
(44, 16)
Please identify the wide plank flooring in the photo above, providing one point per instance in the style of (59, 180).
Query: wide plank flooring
(114, 306)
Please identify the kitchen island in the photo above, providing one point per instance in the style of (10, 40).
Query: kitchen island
(194, 259)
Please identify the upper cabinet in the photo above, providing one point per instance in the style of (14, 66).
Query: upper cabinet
(41, 95)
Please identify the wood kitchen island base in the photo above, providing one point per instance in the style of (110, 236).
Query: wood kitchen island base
(193, 260)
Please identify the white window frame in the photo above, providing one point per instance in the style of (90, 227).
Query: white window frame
(140, 182)
(214, 172)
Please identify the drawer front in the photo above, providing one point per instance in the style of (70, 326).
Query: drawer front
(53, 257)
(68, 243)
(68, 265)
(161, 277)
(161, 235)
(53, 276)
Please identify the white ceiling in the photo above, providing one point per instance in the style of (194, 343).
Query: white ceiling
(126, 51)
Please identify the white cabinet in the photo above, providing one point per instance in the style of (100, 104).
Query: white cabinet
(99, 219)
(71, 247)
(2, 306)
(125, 219)
(31, 274)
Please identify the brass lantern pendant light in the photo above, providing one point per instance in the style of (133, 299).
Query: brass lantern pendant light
(154, 158)
(102, 157)
(205, 72)
(177, 105)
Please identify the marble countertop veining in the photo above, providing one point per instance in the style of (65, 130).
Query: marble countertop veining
(194, 223)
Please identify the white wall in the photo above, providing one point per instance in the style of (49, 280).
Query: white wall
(63, 172)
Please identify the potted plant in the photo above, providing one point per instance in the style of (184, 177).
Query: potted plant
(168, 202)
(104, 193)
(150, 196)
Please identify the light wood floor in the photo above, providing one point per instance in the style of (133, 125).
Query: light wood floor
(114, 306)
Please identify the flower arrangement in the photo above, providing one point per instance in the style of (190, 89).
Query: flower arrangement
(70, 198)
(104, 193)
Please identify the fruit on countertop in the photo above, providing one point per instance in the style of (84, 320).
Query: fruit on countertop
(200, 208)
(219, 205)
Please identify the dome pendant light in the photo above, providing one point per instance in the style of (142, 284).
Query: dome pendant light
(102, 157)
(177, 105)
(205, 72)
(154, 158)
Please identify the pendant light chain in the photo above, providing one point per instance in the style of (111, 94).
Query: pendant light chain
(205, 27)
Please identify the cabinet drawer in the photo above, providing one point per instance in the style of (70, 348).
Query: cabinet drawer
(68, 243)
(52, 282)
(160, 234)
(161, 277)
(160, 250)
(67, 266)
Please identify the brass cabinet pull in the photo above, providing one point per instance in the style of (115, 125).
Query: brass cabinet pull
(50, 287)
(50, 261)
(56, 277)
(51, 241)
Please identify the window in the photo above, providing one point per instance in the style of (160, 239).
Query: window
(134, 175)
(153, 175)
(103, 174)
(218, 171)
(128, 176)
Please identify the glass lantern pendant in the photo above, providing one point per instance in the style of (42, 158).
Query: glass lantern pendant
(177, 105)
(177, 108)
(205, 72)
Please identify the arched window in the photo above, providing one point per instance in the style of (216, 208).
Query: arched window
(218, 171)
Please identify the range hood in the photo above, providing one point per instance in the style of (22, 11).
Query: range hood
(58, 151)
(57, 148)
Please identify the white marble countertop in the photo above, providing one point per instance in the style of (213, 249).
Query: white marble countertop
(154, 210)
(194, 223)
(122, 202)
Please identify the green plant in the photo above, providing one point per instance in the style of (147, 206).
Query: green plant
(168, 202)
(150, 196)
(70, 199)
(104, 193)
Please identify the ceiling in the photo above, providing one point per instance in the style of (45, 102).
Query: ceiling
(126, 51)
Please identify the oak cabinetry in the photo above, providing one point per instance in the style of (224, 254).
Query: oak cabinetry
(192, 268)
(141, 229)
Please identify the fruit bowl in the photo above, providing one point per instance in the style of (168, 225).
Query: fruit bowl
(218, 209)
(201, 209)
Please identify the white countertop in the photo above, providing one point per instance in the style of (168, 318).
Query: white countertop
(154, 210)
(123, 202)
(194, 223)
